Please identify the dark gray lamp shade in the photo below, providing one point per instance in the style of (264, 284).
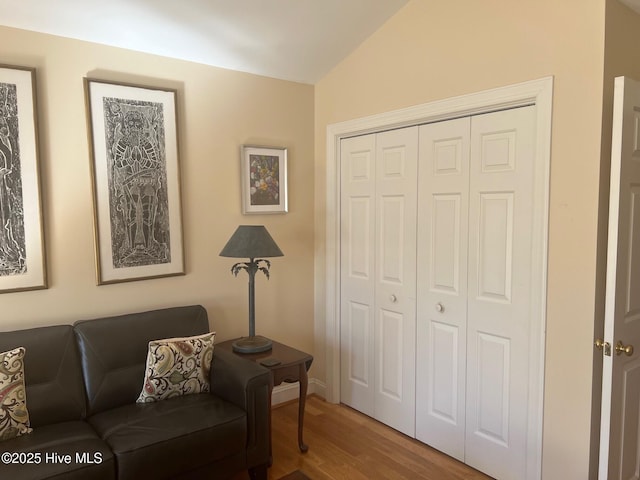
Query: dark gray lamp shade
(251, 241)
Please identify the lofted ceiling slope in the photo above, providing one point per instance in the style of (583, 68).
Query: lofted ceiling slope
(297, 40)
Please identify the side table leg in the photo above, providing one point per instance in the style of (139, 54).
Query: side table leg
(301, 403)
(270, 434)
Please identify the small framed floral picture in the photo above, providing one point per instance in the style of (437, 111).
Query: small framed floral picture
(264, 179)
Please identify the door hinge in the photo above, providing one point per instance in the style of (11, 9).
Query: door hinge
(604, 346)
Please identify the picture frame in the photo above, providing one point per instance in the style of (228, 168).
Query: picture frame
(22, 246)
(264, 179)
(133, 138)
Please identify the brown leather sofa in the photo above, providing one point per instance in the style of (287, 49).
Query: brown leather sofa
(82, 382)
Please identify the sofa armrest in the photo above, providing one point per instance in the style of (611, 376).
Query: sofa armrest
(248, 385)
(234, 378)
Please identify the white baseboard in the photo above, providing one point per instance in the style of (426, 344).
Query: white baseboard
(290, 391)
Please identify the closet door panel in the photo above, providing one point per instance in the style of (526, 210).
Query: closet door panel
(357, 335)
(442, 285)
(390, 348)
(444, 258)
(499, 283)
(492, 364)
(444, 360)
(357, 307)
(392, 247)
(395, 289)
(495, 247)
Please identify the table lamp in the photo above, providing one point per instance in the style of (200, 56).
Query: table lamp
(251, 241)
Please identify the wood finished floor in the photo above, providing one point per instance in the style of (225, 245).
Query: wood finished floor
(347, 445)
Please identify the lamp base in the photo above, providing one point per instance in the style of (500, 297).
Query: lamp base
(254, 344)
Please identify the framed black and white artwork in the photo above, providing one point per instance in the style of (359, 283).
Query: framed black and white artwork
(22, 250)
(136, 181)
(264, 179)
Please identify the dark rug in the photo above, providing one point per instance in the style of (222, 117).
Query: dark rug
(297, 475)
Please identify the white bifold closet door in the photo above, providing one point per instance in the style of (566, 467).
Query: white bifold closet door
(436, 284)
(378, 275)
(474, 252)
(442, 285)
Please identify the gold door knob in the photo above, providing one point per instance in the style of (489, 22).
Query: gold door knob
(604, 346)
(620, 349)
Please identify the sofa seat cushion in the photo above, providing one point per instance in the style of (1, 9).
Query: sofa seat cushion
(69, 450)
(162, 439)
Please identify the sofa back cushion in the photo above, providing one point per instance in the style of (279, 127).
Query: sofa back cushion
(52, 375)
(114, 350)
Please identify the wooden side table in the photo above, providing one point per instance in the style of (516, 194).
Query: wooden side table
(293, 367)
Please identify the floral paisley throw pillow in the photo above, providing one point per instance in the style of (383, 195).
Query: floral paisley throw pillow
(177, 366)
(14, 417)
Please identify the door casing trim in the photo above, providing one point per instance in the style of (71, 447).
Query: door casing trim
(535, 92)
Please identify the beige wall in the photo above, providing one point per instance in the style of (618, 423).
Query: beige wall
(434, 50)
(218, 110)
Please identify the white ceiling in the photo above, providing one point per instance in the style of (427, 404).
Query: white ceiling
(299, 40)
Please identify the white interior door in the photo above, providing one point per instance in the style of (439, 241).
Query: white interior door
(378, 275)
(443, 210)
(500, 281)
(395, 289)
(620, 427)
(357, 272)
(476, 234)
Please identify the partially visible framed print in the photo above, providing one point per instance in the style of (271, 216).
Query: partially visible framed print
(136, 181)
(264, 179)
(22, 250)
